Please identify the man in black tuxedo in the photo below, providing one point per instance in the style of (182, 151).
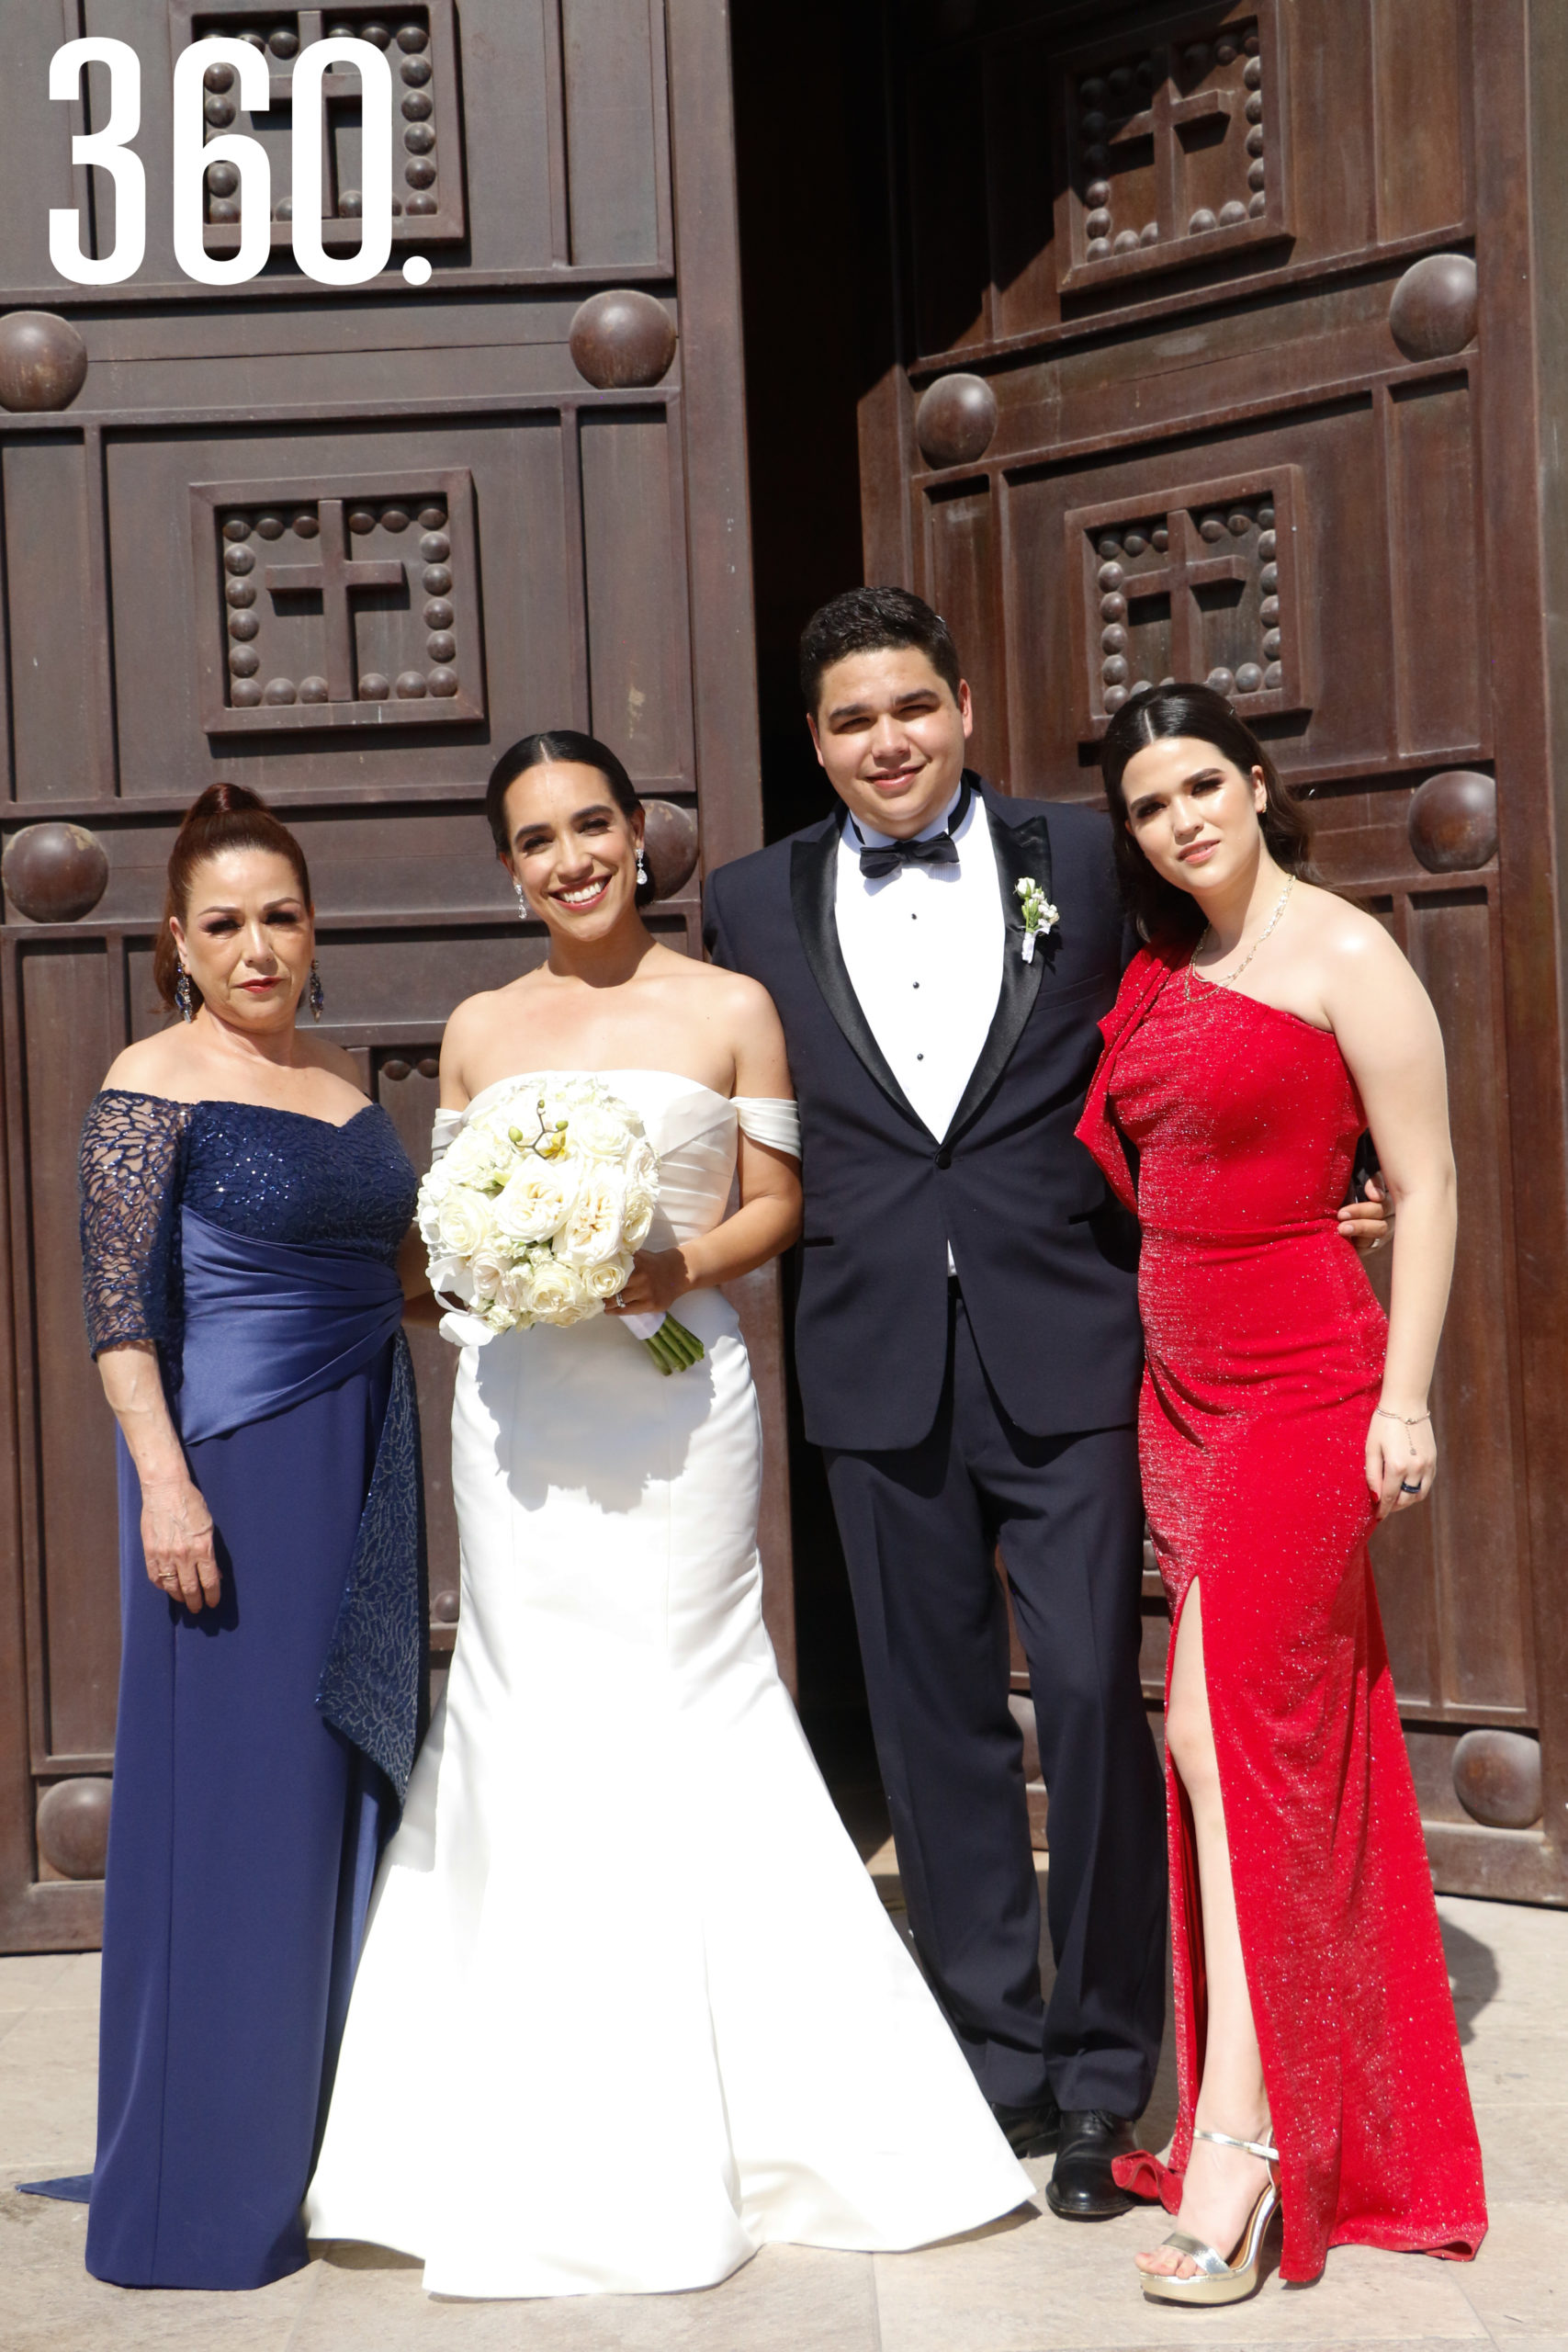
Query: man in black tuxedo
(969, 1353)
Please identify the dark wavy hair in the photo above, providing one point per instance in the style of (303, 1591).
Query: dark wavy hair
(1160, 909)
(554, 747)
(227, 816)
(869, 620)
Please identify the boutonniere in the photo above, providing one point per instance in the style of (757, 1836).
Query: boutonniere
(1039, 915)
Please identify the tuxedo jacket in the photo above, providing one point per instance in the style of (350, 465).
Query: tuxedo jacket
(1046, 1258)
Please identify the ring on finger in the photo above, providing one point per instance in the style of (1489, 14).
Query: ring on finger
(1407, 1488)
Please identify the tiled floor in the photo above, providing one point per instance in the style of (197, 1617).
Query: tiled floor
(1030, 2284)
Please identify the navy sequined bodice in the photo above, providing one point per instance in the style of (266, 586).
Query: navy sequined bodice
(272, 1175)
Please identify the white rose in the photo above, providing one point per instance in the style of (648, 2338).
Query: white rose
(457, 1158)
(450, 1278)
(466, 1222)
(609, 1277)
(637, 1216)
(642, 1166)
(432, 1193)
(478, 1156)
(534, 1203)
(581, 1308)
(556, 1296)
(628, 1115)
(593, 1227)
(557, 1103)
(513, 1125)
(516, 1289)
(489, 1270)
(597, 1132)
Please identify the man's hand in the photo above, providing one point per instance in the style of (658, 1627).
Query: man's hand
(1370, 1221)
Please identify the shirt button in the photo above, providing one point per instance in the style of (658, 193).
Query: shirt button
(945, 1157)
(919, 1058)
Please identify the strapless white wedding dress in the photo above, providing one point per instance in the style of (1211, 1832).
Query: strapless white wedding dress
(629, 2006)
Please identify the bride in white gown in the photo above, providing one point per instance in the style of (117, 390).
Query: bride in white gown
(629, 2007)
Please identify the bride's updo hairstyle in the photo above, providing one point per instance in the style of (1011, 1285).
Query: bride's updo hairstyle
(1158, 908)
(556, 747)
(226, 817)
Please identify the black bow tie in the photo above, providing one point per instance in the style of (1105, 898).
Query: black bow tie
(940, 849)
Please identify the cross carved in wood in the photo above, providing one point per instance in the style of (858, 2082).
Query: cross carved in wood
(1163, 121)
(336, 578)
(1188, 566)
(339, 87)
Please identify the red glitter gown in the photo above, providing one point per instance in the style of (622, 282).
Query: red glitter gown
(1265, 1350)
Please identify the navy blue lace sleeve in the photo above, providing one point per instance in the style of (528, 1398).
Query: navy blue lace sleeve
(130, 1169)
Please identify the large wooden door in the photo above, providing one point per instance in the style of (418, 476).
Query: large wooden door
(344, 546)
(1219, 355)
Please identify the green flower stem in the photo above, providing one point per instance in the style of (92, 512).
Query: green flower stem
(673, 1348)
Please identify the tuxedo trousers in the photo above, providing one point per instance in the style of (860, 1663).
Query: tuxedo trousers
(921, 1528)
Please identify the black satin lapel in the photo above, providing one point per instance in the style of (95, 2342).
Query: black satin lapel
(1021, 850)
(813, 879)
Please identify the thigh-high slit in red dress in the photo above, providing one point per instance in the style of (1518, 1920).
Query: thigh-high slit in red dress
(1265, 1351)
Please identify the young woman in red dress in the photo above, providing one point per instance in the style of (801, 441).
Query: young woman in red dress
(1263, 1026)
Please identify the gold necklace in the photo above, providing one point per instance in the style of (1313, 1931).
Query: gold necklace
(1231, 978)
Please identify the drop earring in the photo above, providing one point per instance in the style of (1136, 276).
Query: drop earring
(521, 903)
(315, 993)
(641, 868)
(183, 996)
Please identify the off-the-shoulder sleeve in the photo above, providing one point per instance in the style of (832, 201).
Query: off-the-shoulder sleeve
(130, 1169)
(767, 1118)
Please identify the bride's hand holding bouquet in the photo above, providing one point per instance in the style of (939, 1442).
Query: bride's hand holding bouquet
(535, 1212)
(658, 1278)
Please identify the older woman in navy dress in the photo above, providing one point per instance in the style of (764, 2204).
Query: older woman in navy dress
(244, 1208)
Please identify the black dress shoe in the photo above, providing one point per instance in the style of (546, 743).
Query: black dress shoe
(1031, 2131)
(1080, 2187)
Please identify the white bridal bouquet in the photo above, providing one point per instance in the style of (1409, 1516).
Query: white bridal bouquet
(533, 1212)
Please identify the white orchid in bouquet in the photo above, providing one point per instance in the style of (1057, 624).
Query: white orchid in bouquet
(534, 1213)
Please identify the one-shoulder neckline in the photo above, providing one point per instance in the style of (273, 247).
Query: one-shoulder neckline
(615, 1069)
(234, 1102)
(1240, 996)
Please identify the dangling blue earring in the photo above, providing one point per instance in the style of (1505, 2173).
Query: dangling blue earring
(183, 996)
(315, 992)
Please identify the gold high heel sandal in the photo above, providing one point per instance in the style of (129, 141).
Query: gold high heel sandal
(1217, 2281)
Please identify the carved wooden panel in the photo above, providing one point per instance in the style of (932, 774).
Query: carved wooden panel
(1301, 464)
(1179, 144)
(552, 151)
(346, 545)
(427, 152)
(1365, 116)
(349, 602)
(1209, 581)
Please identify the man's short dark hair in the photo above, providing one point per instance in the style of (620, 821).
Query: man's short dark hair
(868, 620)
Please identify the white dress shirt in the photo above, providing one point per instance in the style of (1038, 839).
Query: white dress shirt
(923, 948)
